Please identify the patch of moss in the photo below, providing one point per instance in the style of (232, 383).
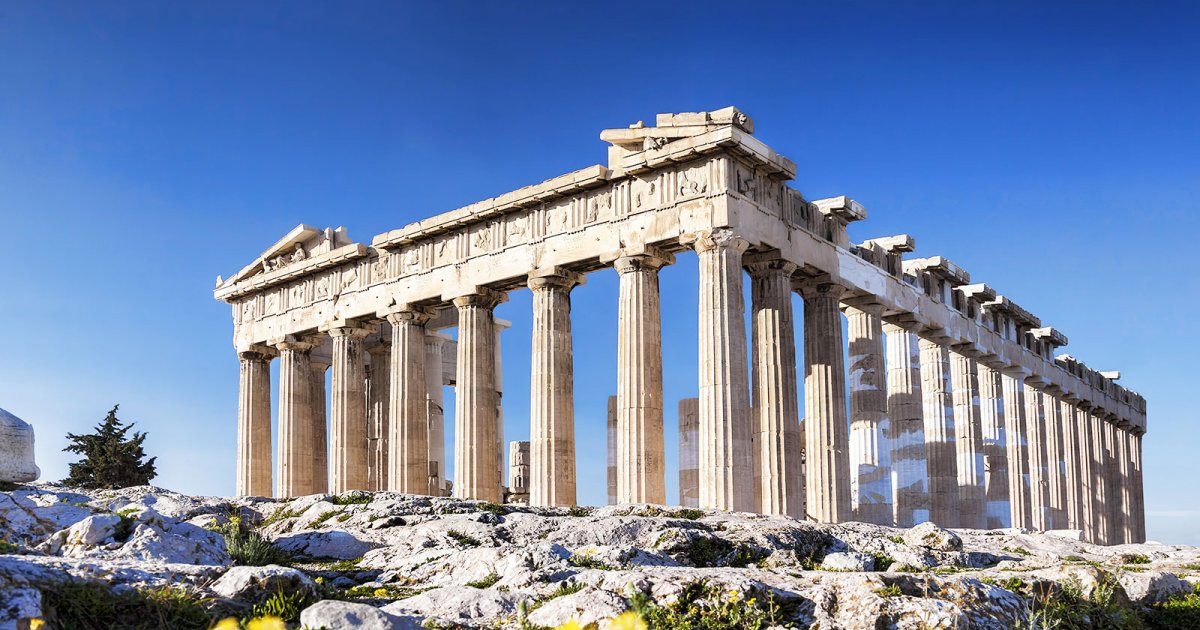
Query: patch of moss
(350, 499)
(690, 514)
(891, 590)
(493, 508)
(322, 517)
(577, 511)
(485, 582)
(587, 561)
(463, 539)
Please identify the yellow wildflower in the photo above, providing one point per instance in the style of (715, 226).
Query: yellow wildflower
(381, 592)
(266, 623)
(228, 623)
(628, 621)
(36, 623)
(570, 625)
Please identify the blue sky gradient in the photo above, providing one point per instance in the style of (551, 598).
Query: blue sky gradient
(1048, 148)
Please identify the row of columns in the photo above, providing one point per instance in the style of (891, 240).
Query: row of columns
(938, 433)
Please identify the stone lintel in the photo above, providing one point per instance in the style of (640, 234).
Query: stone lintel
(937, 335)
(900, 243)
(823, 282)
(908, 321)
(1035, 380)
(1005, 305)
(555, 276)
(1052, 388)
(938, 266)
(864, 302)
(979, 292)
(244, 284)
(357, 327)
(968, 349)
(841, 208)
(1049, 335)
(724, 116)
(1111, 375)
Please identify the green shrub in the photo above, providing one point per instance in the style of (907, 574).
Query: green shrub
(704, 607)
(85, 605)
(351, 499)
(718, 552)
(322, 517)
(280, 514)
(1062, 606)
(577, 511)
(587, 561)
(286, 606)
(247, 547)
(882, 561)
(891, 590)
(1135, 558)
(687, 513)
(485, 582)
(493, 508)
(463, 539)
(1177, 612)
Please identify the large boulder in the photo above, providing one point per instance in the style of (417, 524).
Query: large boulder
(16, 450)
(588, 606)
(336, 545)
(931, 536)
(257, 584)
(338, 615)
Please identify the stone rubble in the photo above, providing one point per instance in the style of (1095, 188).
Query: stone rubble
(440, 560)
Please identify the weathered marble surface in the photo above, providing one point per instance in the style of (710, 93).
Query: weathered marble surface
(16, 450)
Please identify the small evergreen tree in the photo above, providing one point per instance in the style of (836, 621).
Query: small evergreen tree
(109, 460)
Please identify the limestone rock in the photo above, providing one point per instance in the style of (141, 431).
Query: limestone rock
(336, 545)
(338, 615)
(1152, 587)
(255, 584)
(182, 543)
(457, 605)
(590, 605)
(16, 450)
(933, 537)
(848, 561)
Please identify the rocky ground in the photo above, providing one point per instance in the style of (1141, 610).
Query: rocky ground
(386, 560)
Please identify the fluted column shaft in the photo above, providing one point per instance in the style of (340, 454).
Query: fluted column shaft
(995, 449)
(941, 454)
(1039, 468)
(726, 457)
(1139, 496)
(1072, 463)
(1100, 503)
(408, 421)
(776, 405)
(641, 470)
(295, 426)
(1056, 471)
(1125, 474)
(870, 448)
(476, 417)
(348, 411)
(379, 392)
(254, 425)
(910, 489)
(689, 452)
(552, 391)
(1013, 385)
(1112, 483)
(969, 439)
(435, 413)
(1087, 471)
(827, 440)
(320, 426)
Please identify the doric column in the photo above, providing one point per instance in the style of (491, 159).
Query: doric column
(1139, 496)
(1012, 382)
(1073, 464)
(348, 411)
(870, 449)
(1087, 470)
(689, 452)
(408, 419)
(1056, 470)
(379, 393)
(552, 390)
(969, 438)
(435, 412)
(941, 454)
(827, 440)
(296, 441)
(1112, 482)
(1125, 486)
(612, 450)
(1039, 469)
(320, 425)
(995, 449)
(641, 472)
(776, 405)
(726, 458)
(476, 417)
(1099, 451)
(906, 413)
(254, 424)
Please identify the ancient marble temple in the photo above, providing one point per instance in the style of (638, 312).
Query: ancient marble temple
(944, 401)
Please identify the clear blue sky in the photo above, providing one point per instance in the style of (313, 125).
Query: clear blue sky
(1049, 148)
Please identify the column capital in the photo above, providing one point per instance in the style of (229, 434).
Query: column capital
(764, 267)
(554, 277)
(435, 338)
(481, 297)
(294, 342)
(346, 328)
(639, 262)
(719, 238)
(405, 314)
(818, 286)
(866, 303)
(257, 352)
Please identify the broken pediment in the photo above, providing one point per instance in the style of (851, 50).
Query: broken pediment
(302, 243)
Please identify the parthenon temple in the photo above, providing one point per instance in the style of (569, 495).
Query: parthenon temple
(943, 401)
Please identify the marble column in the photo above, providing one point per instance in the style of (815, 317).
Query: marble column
(726, 458)
(827, 439)
(1056, 473)
(254, 425)
(1099, 449)
(1087, 470)
(1036, 438)
(612, 450)
(641, 470)
(910, 489)
(476, 417)
(776, 404)
(995, 449)
(1012, 383)
(408, 419)
(295, 457)
(1139, 496)
(435, 413)
(870, 450)
(1073, 464)
(348, 411)
(1112, 482)
(941, 454)
(1125, 486)
(552, 391)
(968, 427)
(689, 452)
(320, 426)
(379, 386)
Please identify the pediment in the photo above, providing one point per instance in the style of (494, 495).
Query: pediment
(301, 243)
